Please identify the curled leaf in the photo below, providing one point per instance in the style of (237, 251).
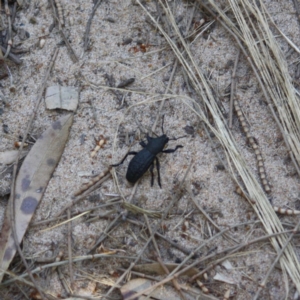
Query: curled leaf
(31, 184)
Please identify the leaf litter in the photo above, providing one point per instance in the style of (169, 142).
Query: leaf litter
(31, 184)
(181, 70)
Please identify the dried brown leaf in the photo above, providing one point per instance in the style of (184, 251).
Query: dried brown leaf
(161, 293)
(31, 184)
(156, 269)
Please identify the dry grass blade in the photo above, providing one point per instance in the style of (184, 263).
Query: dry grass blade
(278, 84)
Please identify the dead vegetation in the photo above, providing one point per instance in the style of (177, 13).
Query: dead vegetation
(223, 225)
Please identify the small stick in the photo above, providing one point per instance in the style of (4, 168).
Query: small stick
(165, 213)
(69, 47)
(297, 9)
(233, 87)
(175, 282)
(105, 233)
(205, 214)
(175, 245)
(12, 56)
(89, 209)
(280, 253)
(140, 275)
(71, 273)
(88, 26)
(93, 181)
(65, 262)
(9, 40)
(83, 195)
(230, 251)
(174, 274)
(167, 90)
(257, 75)
(60, 19)
(63, 280)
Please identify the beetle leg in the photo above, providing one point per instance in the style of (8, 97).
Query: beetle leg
(143, 144)
(172, 150)
(152, 174)
(129, 153)
(158, 173)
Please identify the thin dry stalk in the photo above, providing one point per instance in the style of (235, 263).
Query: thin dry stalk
(205, 214)
(167, 90)
(71, 273)
(88, 25)
(112, 226)
(233, 88)
(9, 31)
(263, 283)
(175, 282)
(262, 207)
(164, 215)
(175, 274)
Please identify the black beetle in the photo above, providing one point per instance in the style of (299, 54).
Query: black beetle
(145, 158)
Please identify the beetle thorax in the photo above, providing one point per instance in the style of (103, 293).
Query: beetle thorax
(156, 145)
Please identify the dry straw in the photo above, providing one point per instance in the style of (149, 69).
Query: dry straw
(258, 43)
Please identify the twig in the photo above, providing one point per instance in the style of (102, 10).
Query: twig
(65, 262)
(69, 47)
(88, 26)
(174, 274)
(105, 233)
(165, 213)
(205, 214)
(233, 87)
(12, 56)
(167, 90)
(71, 274)
(63, 280)
(99, 178)
(88, 191)
(86, 210)
(297, 9)
(9, 35)
(280, 253)
(175, 245)
(258, 77)
(175, 283)
(231, 251)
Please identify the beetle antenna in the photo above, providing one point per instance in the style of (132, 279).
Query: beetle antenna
(162, 124)
(180, 137)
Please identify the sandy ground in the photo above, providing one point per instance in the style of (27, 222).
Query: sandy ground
(100, 112)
